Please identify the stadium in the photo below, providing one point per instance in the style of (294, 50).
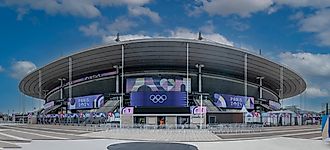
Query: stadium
(160, 81)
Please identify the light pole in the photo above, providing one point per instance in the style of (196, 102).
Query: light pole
(260, 86)
(200, 66)
(117, 67)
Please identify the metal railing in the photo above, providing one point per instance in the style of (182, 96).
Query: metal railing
(235, 128)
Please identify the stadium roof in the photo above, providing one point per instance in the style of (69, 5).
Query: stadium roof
(169, 52)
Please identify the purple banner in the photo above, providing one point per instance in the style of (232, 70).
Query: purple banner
(128, 110)
(233, 101)
(198, 110)
(163, 98)
(86, 102)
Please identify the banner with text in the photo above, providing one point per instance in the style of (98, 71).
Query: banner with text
(233, 101)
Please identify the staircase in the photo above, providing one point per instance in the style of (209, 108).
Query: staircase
(109, 106)
(46, 111)
(209, 105)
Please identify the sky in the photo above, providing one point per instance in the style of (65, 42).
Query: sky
(295, 33)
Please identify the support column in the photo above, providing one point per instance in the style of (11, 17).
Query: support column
(245, 74)
(117, 77)
(281, 84)
(199, 66)
(70, 77)
(187, 80)
(122, 83)
(61, 89)
(201, 112)
(40, 89)
(260, 86)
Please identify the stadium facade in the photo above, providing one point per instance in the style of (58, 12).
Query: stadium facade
(155, 81)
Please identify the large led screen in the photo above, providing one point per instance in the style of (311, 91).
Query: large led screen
(159, 99)
(86, 102)
(233, 101)
(148, 84)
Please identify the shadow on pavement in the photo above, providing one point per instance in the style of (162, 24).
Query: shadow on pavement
(151, 146)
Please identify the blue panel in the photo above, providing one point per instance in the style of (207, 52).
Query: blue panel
(86, 102)
(233, 101)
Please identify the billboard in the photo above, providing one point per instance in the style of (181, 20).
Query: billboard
(159, 98)
(86, 102)
(148, 84)
(233, 101)
(274, 105)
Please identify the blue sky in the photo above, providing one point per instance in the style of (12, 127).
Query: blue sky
(292, 32)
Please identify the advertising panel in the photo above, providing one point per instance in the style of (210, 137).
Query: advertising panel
(198, 110)
(160, 98)
(86, 102)
(274, 105)
(128, 110)
(148, 84)
(233, 101)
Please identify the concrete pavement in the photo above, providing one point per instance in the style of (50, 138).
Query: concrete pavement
(63, 137)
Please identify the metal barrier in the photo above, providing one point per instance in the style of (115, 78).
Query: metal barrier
(216, 129)
(101, 124)
(235, 128)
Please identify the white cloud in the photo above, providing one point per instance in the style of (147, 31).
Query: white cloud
(208, 27)
(315, 68)
(19, 69)
(92, 29)
(307, 63)
(121, 24)
(111, 38)
(108, 35)
(304, 3)
(122, 2)
(186, 33)
(318, 23)
(297, 16)
(143, 11)
(316, 92)
(21, 12)
(84, 8)
(2, 69)
(177, 33)
(243, 8)
(238, 25)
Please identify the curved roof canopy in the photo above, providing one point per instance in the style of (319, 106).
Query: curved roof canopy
(169, 53)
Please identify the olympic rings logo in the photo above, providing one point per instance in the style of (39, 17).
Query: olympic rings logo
(158, 98)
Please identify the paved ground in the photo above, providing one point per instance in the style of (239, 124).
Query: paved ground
(53, 136)
(302, 132)
(157, 135)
